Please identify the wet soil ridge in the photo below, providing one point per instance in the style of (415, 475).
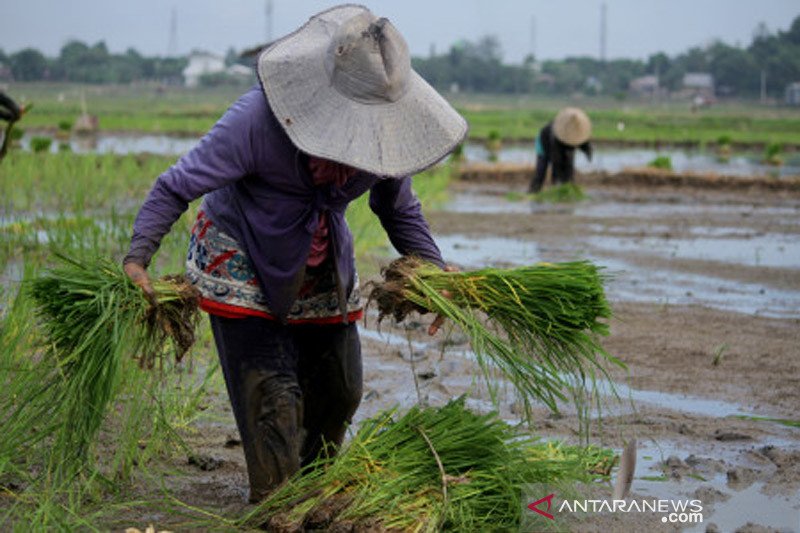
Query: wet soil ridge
(535, 326)
(517, 173)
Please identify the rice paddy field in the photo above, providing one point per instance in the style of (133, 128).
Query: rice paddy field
(702, 280)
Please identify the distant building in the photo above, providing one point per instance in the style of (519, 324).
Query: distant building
(593, 85)
(205, 63)
(644, 86)
(240, 71)
(793, 93)
(545, 80)
(699, 83)
(200, 64)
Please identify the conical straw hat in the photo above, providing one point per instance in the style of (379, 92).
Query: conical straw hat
(343, 89)
(571, 126)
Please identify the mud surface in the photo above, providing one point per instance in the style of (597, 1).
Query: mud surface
(706, 293)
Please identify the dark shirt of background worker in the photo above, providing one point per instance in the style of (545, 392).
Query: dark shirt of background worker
(9, 111)
(556, 143)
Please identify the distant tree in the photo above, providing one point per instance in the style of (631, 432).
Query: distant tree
(734, 70)
(28, 65)
(778, 56)
(793, 34)
(231, 57)
(658, 63)
(694, 60)
(568, 75)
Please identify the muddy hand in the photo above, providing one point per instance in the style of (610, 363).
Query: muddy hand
(439, 320)
(139, 276)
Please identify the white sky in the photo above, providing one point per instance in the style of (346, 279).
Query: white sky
(635, 28)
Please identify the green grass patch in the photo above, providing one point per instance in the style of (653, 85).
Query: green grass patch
(663, 162)
(662, 478)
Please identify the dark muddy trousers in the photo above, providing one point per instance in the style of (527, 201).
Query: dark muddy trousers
(293, 389)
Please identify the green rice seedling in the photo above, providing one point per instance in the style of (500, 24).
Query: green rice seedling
(16, 134)
(515, 196)
(663, 162)
(772, 154)
(494, 142)
(724, 140)
(431, 469)
(457, 155)
(96, 324)
(536, 326)
(41, 144)
(560, 194)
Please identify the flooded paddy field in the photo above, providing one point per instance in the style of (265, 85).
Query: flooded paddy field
(705, 286)
(605, 158)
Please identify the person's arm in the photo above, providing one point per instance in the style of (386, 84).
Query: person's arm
(400, 213)
(586, 148)
(542, 147)
(223, 156)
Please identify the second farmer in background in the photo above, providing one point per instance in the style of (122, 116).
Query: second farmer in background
(556, 144)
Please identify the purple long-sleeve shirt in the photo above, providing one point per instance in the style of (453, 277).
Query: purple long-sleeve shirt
(259, 190)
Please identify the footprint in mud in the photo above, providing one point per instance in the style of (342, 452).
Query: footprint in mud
(741, 477)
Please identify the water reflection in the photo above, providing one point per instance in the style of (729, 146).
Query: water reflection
(616, 159)
(122, 144)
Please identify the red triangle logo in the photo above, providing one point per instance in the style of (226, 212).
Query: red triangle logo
(535, 506)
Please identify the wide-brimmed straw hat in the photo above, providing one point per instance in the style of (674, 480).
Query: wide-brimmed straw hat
(343, 89)
(571, 126)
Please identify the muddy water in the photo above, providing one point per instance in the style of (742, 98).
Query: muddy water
(616, 159)
(735, 258)
(632, 282)
(604, 159)
(670, 467)
(122, 144)
(649, 248)
(729, 509)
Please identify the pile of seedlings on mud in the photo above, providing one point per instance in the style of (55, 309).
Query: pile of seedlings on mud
(94, 324)
(563, 193)
(536, 327)
(430, 469)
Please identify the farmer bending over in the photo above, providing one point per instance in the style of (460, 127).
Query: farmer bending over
(338, 113)
(556, 143)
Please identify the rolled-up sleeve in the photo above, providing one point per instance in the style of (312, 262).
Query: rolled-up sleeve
(222, 156)
(400, 213)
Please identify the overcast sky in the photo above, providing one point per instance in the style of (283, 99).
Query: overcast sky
(635, 28)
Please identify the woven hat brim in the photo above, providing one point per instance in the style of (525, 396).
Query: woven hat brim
(572, 126)
(388, 139)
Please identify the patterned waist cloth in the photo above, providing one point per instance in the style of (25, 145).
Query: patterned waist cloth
(226, 279)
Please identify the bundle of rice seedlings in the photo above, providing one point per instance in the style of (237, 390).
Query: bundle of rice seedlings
(431, 469)
(560, 194)
(536, 326)
(94, 320)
